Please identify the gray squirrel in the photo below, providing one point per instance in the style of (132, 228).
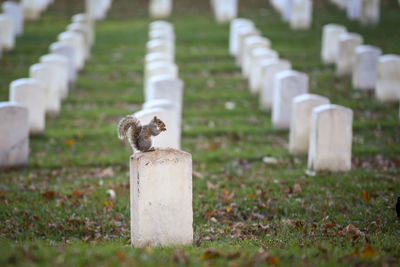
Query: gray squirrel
(140, 137)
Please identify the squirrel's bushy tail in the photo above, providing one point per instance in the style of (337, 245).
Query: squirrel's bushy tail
(129, 126)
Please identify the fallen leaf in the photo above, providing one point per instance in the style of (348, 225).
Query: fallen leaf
(368, 252)
(76, 193)
(211, 186)
(366, 196)
(108, 203)
(121, 256)
(48, 194)
(210, 254)
(273, 261)
(212, 147)
(69, 142)
(352, 230)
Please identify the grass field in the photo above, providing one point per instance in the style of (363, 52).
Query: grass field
(246, 212)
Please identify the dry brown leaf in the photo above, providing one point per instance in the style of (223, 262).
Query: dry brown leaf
(351, 230)
(49, 194)
(366, 196)
(368, 252)
(273, 261)
(210, 254)
(121, 256)
(76, 193)
(211, 186)
(297, 188)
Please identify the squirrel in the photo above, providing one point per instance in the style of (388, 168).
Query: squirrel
(140, 137)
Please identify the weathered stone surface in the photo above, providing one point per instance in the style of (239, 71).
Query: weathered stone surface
(68, 51)
(370, 12)
(77, 41)
(301, 14)
(7, 37)
(161, 198)
(269, 69)
(168, 139)
(388, 78)
(251, 44)
(160, 9)
(330, 42)
(258, 56)
(287, 85)
(243, 33)
(16, 13)
(330, 138)
(60, 66)
(46, 74)
(302, 107)
(364, 68)
(160, 46)
(14, 135)
(346, 50)
(353, 9)
(225, 10)
(29, 93)
(235, 25)
(162, 69)
(166, 88)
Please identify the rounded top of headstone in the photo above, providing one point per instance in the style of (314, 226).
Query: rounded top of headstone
(158, 56)
(80, 18)
(389, 57)
(60, 45)
(264, 52)
(160, 24)
(367, 48)
(334, 27)
(54, 58)
(350, 36)
(13, 105)
(310, 97)
(160, 153)
(238, 21)
(68, 35)
(290, 74)
(256, 39)
(274, 61)
(77, 26)
(161, 64)
(38, 66)
(332, 107)
(26, 81)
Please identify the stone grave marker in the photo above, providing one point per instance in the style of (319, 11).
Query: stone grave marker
(346, 50)
(302, 106)
(78, 43)
(60, 65)
(330, 138)
(388, 78)
(233, 33)
(330, 42)
(353, 9)
(364, 68)
(161, 198)
(287, 85)
(257, 57)
(46, 74)
(370, 12)
(270, 68)
(15, 11)
(301, 15)
(250, 44)
(7, 37)
(30, 94)
(160, 9)
(14, 135)
(68, 52)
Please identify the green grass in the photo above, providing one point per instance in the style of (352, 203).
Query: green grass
(246, 212)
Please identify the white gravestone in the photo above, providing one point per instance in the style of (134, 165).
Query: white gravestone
(158, 57)
(161, 24)
(244, 33)
(68, 52)
(171, 138)
(346, 51)
(85, 19)
(287, 10)
(14, 135)
(251, 44)
(160, 69)
(388, 78)
(29, 93)
(167, 88)
(160, 46)
(364, 68)
(270, 68)
(225, 10)
(78, 43)
(7, 37)
(161, 198)
(60, 64)
(31, 9)
(287, 85)
(85, 32)
(233, 33)
(353, 9)
(301, 15)
(162, 34)
(46, 74)
(299, 136)
(257, 57)
(370, 12)
(330, 42)
(330, 138)
(15, 11)
(160, 9)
